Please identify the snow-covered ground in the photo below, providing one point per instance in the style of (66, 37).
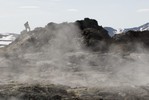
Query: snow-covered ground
(6, 39)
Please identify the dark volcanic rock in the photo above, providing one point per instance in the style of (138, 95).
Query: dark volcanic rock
(56, 92)
(133, 36)
(95, 36)
(88, 23)
(91, 28)
(34, 92)
(132, 40)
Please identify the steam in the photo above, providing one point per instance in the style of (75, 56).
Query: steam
(64, 60)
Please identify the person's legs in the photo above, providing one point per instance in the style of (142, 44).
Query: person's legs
(26, 28)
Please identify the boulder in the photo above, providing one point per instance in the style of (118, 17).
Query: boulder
(94, 35)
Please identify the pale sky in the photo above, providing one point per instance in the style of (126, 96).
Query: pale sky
(113, 13)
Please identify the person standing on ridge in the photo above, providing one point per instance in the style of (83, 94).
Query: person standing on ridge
(27, 27)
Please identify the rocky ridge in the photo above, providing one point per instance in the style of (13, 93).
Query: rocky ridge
(43, 55)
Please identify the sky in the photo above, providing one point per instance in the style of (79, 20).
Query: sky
(111, 13)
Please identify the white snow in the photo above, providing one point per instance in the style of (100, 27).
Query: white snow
(6, 39)
(9, 37)
(140, 28)
(5, 42)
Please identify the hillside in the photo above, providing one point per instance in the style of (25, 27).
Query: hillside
(75, 61)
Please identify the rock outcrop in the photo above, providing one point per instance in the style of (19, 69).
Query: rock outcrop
(95, 37)
(89, 29)
(132, 40)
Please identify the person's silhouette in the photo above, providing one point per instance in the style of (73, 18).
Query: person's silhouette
(27, 27)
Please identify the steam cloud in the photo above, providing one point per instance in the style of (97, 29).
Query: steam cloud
(64, 60)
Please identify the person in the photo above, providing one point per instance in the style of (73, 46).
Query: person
(27, 27)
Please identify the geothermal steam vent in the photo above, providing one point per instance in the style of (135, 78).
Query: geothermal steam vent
(75, 61)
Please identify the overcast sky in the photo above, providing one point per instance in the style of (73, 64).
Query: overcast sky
(113, 13)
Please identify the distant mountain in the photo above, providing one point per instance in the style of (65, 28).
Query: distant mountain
(140, 28)
(111, 31)
(6, 39)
